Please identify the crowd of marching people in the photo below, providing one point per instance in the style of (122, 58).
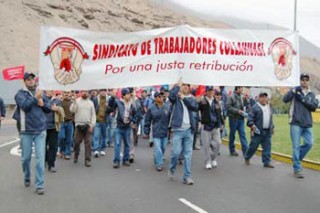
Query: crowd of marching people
(57, 122)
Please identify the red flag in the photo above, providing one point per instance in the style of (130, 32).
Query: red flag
(13, 73)
(201, 90)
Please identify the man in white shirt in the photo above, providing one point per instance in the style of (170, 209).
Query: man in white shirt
(262, 128)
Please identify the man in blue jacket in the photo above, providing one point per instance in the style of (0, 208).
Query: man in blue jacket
(261, 124)
(32, 109)
(125, 114)
(158, 115)
(182, 122)
(303, 102)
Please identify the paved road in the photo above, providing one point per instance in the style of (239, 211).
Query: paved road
(232, 187)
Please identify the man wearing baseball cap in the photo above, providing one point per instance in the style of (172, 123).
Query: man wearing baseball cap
(303, 102)
(261, 123)
(157, 118)
(32, 109)
(211, 120)
(125, 114)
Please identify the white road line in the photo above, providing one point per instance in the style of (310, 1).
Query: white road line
(8, 143)
(194, 207)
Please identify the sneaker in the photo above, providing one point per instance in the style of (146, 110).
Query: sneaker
(87, 163)
(208, 166)
(103, 153)
(27, 183)
(150, 144)
(131, 160)
(298, 174)
(170, 174)
(247, 162)
(52, 170)
(40, 191)
(75, 160)
(96, 154)
(188, 181)
(116, 165)
(126, 163)
(196, 148)
(67, 157)
(234, 154)
(268, 165)
(159, 168)
(214, 164)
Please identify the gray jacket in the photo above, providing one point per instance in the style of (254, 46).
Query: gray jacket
(235, 103)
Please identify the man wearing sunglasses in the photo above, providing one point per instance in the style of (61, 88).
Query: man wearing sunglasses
(303, 102)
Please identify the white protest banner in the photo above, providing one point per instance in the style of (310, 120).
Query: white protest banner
(73, 59)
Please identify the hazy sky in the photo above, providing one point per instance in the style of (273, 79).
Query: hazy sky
(275, 12)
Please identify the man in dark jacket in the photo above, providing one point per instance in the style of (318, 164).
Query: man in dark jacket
(303, 102)
(183, 125)
(211, 119)
(261, 124)
(2, 110)
(158, 115)
(236, 114)
(125, 114)
(32, 108)
(52, 132)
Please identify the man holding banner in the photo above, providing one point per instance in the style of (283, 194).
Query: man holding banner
(32, 107)
(303, 102)
(182, 122)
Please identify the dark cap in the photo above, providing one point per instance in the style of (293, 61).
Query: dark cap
(194, 92)
(263, 94)
(28, 75)
(209, 88)
(156, 94)
(217, 92)
(103, 90)
(130, 89)
(164, 89)
(304, 75)
(124, 91)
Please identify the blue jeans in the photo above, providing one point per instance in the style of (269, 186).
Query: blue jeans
(142, 125)
(182, 141)
(265, 140)
(65, 137)
(237, 125)
(39, 141)
(159, 148)
(99, 132)
(122, 134)
(300, 151)
(110, 129)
